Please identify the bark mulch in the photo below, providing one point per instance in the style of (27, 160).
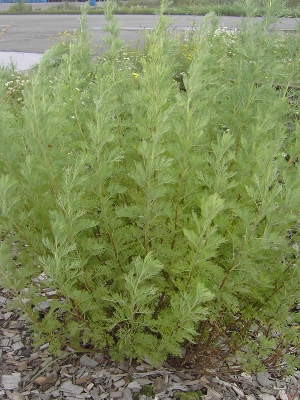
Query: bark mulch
(28, 374)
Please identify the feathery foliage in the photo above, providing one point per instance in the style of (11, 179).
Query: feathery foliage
(157, 192)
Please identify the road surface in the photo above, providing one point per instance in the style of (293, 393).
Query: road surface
(36, 33)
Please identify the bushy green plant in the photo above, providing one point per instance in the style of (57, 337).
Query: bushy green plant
(20, 7)
(283, 8)
(162, 214)
(64, 6)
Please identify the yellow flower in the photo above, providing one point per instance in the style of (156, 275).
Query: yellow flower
(135, 75)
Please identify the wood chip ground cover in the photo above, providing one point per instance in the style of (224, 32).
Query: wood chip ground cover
(26, 374)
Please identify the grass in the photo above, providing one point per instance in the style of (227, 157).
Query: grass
(176, 7)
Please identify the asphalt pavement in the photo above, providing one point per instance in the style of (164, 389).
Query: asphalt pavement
(36, 33)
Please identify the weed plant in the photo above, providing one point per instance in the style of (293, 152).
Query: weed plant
(288, 8)
(157, 193)
(20, 8)
(64, 6)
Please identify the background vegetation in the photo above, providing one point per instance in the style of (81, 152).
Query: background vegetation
(193, 7)
(155, 194)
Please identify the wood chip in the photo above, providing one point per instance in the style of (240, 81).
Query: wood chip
(238, 391)
(263, 379)
(120, 383)
(204, 381)
(22, 366)
(45, 381)
(10, 382)
(144, 381)
(68, 388)
(282, 395)
(89, 387)
(115, 395)
(16, 396)
(213, 394)
(178, 386)
(159, 385)
(83, 380)
(127, 395)
(86, 361)
(99, 358)
(94, 394)
(134, 386)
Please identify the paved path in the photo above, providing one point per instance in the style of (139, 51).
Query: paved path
(36, 33)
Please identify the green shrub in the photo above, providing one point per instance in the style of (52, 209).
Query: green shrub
(20, 7)
(162, 212)
(64, 6)
(286, 8)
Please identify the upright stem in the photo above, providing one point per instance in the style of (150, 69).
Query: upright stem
(239, 135)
